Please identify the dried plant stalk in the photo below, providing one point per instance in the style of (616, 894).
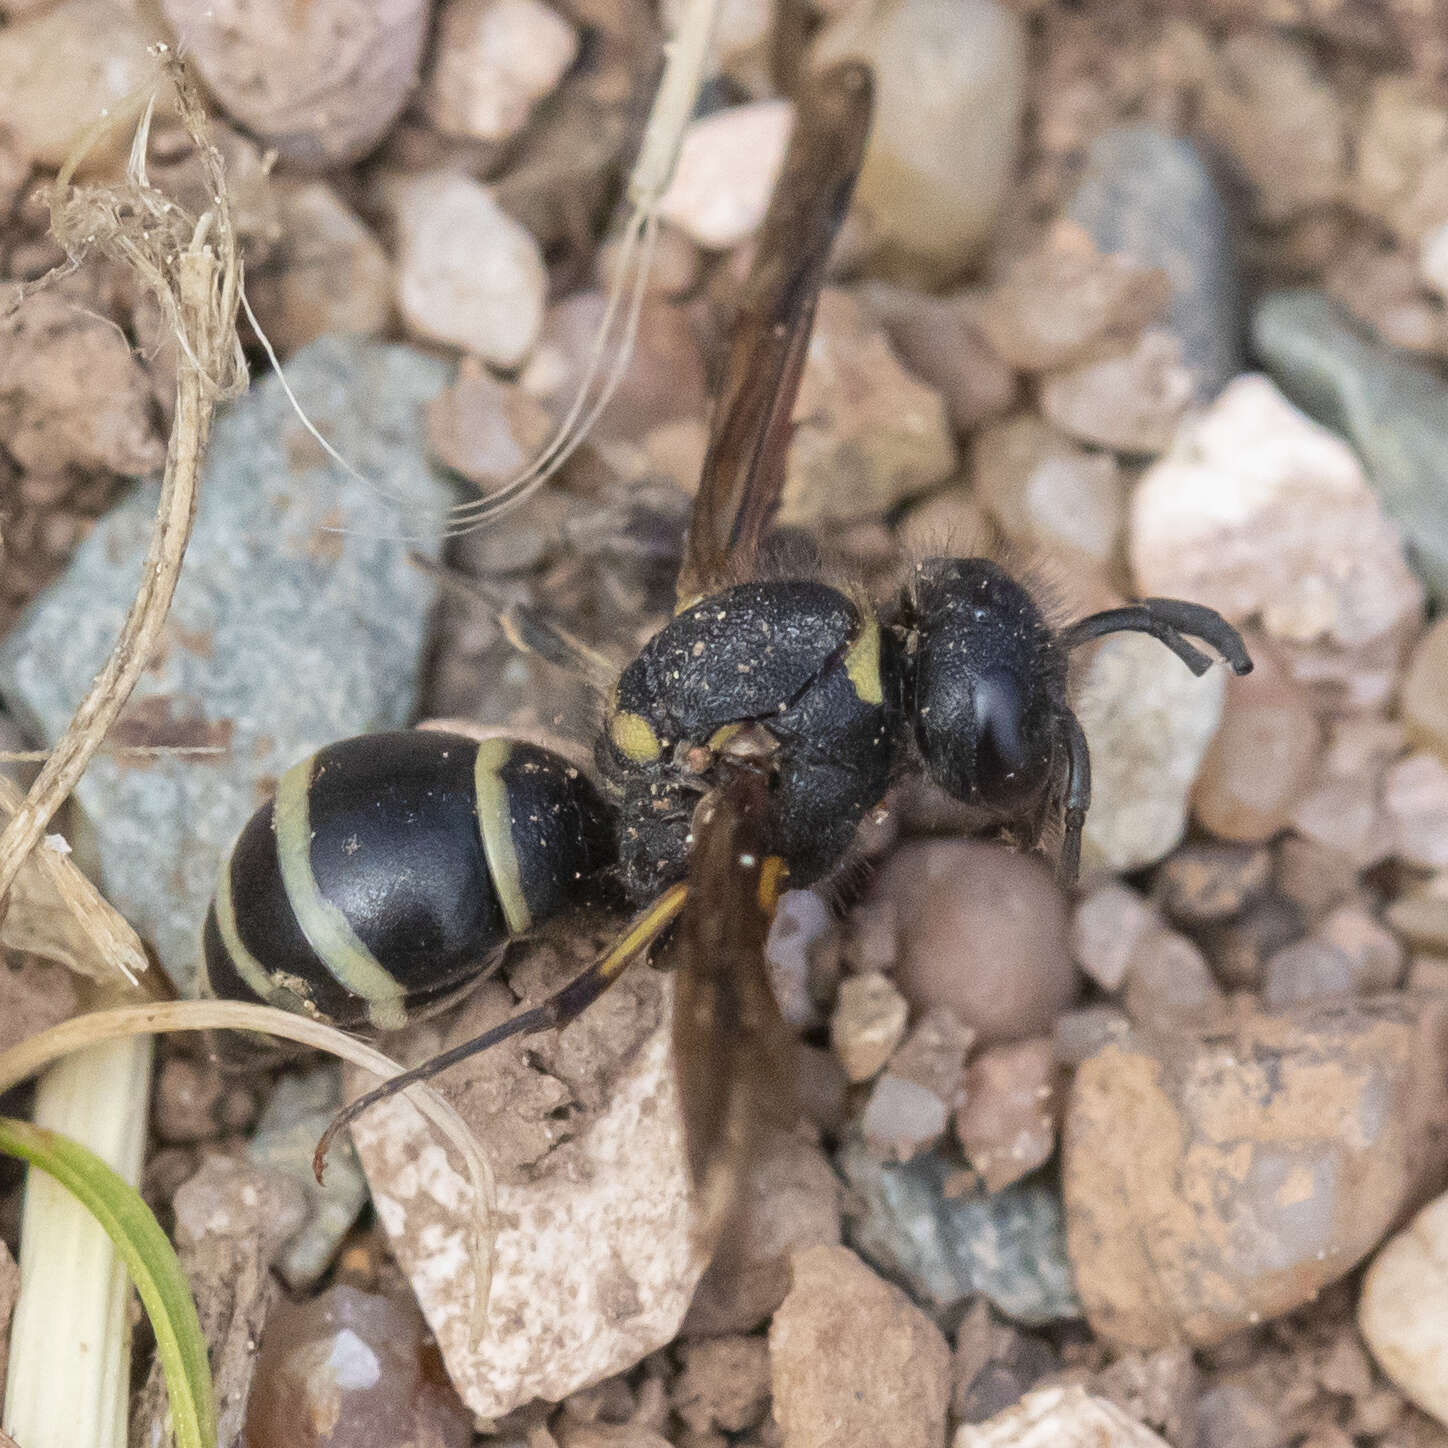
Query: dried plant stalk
(57, 913)
(194, 270)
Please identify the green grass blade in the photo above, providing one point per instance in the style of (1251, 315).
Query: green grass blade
(149, 1258)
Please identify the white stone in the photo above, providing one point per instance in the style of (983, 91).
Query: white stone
(1403, 1310)
(1433, 259)
(468, 273)
(728, 164)
(595, 1261)
(1256, 509)
(1148, 722)
(496, 59)
(1067, 1417)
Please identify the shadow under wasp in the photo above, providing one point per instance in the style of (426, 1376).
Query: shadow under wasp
(740, 749)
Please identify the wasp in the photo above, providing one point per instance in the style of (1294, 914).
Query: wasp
(739, 749)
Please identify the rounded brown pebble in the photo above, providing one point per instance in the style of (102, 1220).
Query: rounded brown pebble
(1424, 701)
(854, 1362)
(983, 930)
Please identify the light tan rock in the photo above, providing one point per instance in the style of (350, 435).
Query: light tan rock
(1067, 1417)
(495, 60)
(1008, 1122)
(468, 274)
(1105, 929)
(1403, 1309)
(854, 1362)
(867, 1024)
(594, 1260)
(1215, 1181)
(1423, 703)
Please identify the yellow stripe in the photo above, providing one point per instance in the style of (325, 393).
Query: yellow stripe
(495, 824)
(248, 967)
(634, 737)
(862, 663)
(353, 966)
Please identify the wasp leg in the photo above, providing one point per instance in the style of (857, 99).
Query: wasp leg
(1168, 620)
(558, 1010)
(1078, 797)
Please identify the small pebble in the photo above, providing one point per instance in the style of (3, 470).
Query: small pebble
(1377, 955)
(467, 273)
(60, 68)
(911, 1102)
(1314, 876)
(1232, 1415)
(854, 1362)
(186, 1098)
(1239, 949)
(495, 60)
(803, 926)
(1422, 919)
(1392, 409)
(1148, 722)
(327, 272)
(1213, 1183)
(1283, 125)
(724, 1383)
(485, 429)
(1168, 981)
(949, 94)
(1151, 196)
(1129, 403)
(345, 1370)
(983, 931)
(1008, 1123)
(1046, 492)
(1423, 702)
(1066, 303)
(867, 1024)
(789, 1201)
(1427, 973)
(1403, 1309)
(321, 83)
(1415, 801)
(1345, 810)
(1159, 1389)
(995, 1364)
(941, 341)
(927, 1224)
(1058, 1417)
(35, 994)
(1308, 970)
(1259, 510)
(1263, 757)
(1106, 928)
(1080, 1034)
(728, 164)
(1205, 882)
(1400, 139)
(867, 433)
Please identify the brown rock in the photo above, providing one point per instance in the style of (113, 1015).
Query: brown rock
(854, 1362)
(71, 392)
(1215, 1181)
(867, 1024)
(1423, 702)
(1204, 882)
(1008, 1123)
(941, 340)
(867, 433)
(983, 931)
(994, 1364)
(35, 994)
(1421, 918)
(1129, 402)
(187, 1096)
(1415, 801)
(911, 1102)
(495, 60)
(1377, 955)
(724, 1383)
(1344, 810)
(485, 429)
(1168, 981)
(1065, 303)
(1106, 928)
(1264, 754)
(1241, 948)
(322, 83)
(789, 1201)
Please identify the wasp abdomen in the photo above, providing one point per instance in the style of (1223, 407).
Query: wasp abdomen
(389, 867)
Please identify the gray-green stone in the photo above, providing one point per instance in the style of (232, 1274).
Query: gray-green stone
(1393, 410)
(298, 620)
(1011, 1246)
(1150, 194)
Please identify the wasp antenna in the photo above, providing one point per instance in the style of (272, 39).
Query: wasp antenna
(1168, 620)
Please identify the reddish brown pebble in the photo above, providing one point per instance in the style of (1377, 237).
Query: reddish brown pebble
(1008, 1123)
(345, 1370)
(1423, 703)
(187, 1096)
(982, 930)
(1168, 981)
(855, 1364)
(724, 1384)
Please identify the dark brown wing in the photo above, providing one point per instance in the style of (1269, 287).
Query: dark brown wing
(733, 1052)
(744, 466)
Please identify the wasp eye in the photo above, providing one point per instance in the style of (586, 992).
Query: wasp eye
(1004, 758)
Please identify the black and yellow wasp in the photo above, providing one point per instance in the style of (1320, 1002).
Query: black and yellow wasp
(739, 749)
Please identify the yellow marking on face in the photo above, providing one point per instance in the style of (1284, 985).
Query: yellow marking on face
(773, 881)
(862, 663)
(720, 739)
(326, 928)
(495, 824)
(633, 736)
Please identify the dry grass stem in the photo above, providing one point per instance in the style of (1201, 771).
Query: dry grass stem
(194, 269)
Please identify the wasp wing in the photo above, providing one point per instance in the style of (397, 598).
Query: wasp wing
(732, 1049)
(743, 472)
